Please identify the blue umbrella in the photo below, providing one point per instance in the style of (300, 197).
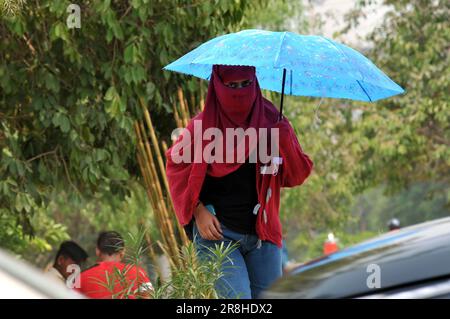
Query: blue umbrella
(305, 65)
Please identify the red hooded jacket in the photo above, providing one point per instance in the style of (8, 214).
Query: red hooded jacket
(186, 179)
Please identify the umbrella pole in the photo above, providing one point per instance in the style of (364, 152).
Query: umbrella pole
(282, 94)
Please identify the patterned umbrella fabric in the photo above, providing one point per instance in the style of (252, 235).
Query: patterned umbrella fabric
(314, 65)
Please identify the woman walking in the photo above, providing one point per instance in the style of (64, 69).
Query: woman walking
(237, 201)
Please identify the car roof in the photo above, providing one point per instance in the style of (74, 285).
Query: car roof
(412, 254)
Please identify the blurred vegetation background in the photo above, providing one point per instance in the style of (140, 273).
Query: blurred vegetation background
(69, 98)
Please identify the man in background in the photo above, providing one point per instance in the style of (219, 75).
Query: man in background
(394, 224)
(69, 254)
(110, 277)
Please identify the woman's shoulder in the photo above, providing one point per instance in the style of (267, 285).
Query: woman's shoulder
(270, 111)
(273, 116)
(196, 117)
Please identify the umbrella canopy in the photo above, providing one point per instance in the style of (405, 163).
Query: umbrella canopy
(286, 62)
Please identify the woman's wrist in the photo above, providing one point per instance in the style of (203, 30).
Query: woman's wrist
(196, 210)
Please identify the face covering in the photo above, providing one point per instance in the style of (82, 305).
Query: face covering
(236, 103)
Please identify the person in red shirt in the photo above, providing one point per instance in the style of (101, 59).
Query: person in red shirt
(110, 278)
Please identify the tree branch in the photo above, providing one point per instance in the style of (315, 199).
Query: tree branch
(42, 155)
(68, 175)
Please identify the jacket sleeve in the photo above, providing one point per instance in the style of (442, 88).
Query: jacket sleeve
(297, 165)
(178, 174)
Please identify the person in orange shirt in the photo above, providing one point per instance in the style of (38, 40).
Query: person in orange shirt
(330, 245)
(111, 278)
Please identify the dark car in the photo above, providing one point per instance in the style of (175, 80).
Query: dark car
(413, 262)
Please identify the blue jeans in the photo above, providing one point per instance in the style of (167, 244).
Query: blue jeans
(253, 269)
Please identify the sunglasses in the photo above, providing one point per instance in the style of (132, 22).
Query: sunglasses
(238, 85)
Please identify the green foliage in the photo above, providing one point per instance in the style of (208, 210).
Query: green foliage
(104, 212)
(394, 152)
(197, 278)
(415, 204)
(81, 220)
(321, 129)
(47, 234)
(69, 97)
(10, 7)
(278, 15)
(409, 135)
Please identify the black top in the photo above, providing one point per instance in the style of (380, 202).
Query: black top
(233, 196)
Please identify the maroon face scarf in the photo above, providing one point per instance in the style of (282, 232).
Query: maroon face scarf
(233, 108)
(235, 104)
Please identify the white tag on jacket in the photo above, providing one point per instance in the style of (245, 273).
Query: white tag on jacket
(273, 167)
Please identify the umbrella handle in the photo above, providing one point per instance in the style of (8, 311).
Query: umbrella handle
(282, 94)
